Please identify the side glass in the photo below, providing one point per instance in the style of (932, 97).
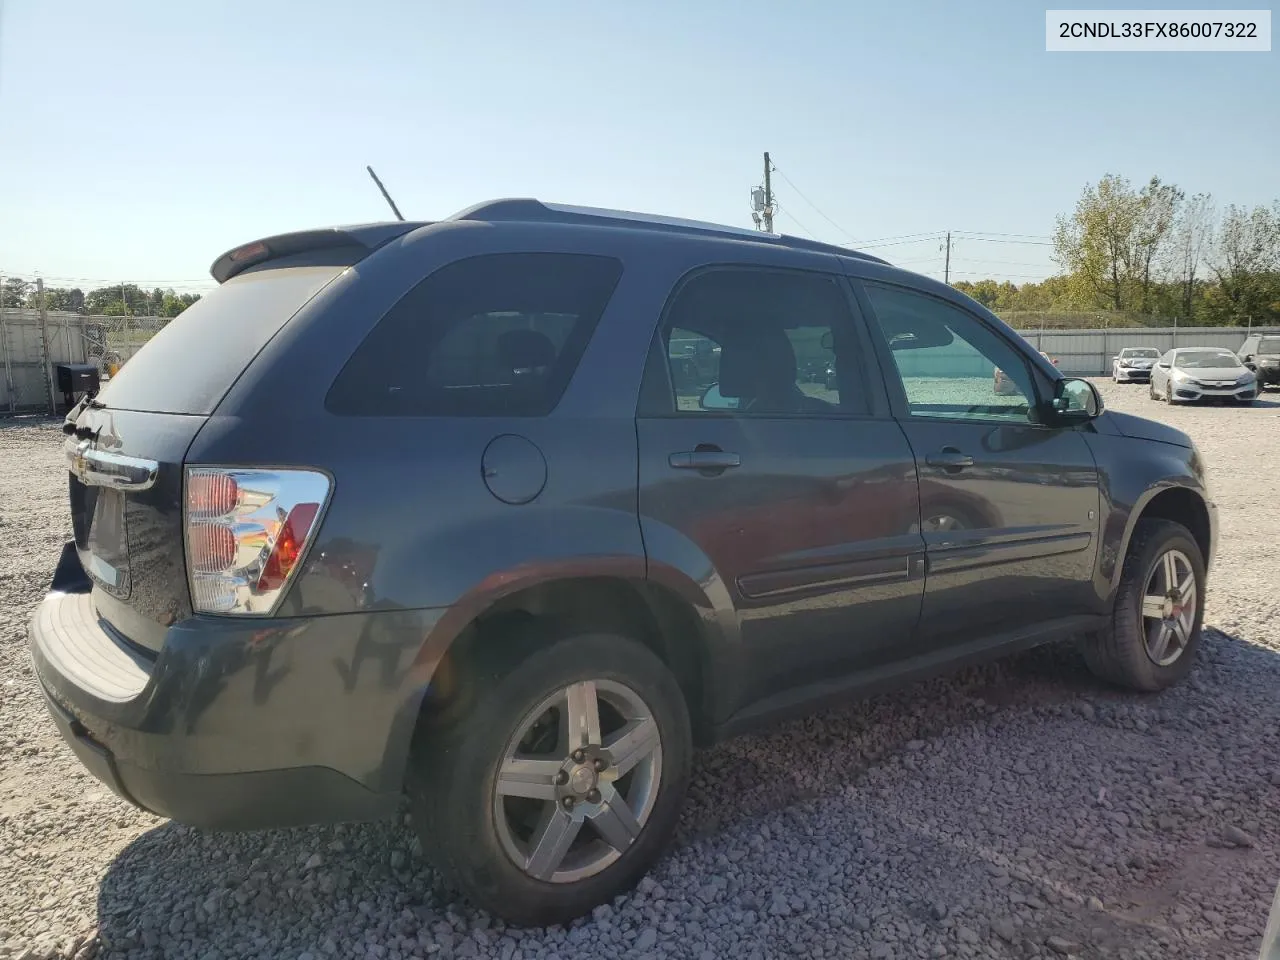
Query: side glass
(763, 343)
(951, 365)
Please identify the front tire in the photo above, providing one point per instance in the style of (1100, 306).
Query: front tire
(560, 783)
(1154, 634)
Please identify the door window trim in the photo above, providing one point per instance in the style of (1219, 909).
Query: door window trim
(873, 388)
(896, 389)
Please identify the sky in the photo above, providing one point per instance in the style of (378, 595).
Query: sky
(139, 139)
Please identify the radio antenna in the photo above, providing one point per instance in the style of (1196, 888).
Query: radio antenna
(386, 196)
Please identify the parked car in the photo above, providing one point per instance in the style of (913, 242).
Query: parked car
(1261, 354)
(1133, 364)
(1005, 386)
(1191, 374)
(445, 525)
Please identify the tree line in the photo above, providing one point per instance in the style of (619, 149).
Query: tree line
(1153, 255)
(120, 300)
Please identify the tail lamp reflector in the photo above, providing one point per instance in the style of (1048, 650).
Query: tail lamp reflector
(246, 533)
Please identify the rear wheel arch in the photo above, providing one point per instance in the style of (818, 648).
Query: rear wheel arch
(538, 614)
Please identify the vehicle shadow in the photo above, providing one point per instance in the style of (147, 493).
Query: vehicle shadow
(181, 891)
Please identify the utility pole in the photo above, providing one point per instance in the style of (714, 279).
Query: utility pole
(768, 194)
(946, 270)
(44, 345)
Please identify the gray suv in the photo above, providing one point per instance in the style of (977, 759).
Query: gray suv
(512, 511)
(1261, 354)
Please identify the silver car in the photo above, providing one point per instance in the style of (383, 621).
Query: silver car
(1188, 374)
(1133, 363)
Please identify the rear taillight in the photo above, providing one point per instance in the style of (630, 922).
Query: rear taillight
(246, 533)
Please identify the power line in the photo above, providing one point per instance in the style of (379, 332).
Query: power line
(106, 282)
(800, 194)
(1039, 278)
(897, 243)
(1004, 263)
(1028, 243)
(796, 220)
(987, 233)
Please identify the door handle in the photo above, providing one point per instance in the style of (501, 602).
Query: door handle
(704, 460)
(949, 459)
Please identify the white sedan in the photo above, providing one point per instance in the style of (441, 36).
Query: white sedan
(1133, 363)
(1189, 374)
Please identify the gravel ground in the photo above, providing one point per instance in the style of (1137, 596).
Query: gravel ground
(1016, 810)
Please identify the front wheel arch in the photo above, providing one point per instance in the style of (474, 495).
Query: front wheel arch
(1182, 505)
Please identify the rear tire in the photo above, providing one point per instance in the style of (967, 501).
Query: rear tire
(1135, 650)
(500, 839)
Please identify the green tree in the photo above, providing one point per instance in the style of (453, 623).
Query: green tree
(1192, 239)
(1245, 260)
(67, 300)
(1113, 242)
(1094, 243)
(13, 293)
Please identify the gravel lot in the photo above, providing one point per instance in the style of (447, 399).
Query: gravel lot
(1016, 810)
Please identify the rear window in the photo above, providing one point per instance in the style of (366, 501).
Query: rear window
(191, 364)
(497, 335)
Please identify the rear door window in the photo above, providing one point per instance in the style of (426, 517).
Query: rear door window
(495, 335)
(193, 361)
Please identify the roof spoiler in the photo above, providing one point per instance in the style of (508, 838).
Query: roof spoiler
(368, 237)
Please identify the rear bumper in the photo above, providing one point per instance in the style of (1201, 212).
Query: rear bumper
(232, 801)
(238, 724)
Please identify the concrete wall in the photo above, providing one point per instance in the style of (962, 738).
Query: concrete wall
(1089, 352)
(1082, 353)
(72, 339)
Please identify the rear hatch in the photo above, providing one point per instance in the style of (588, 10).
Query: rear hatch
(125, 448)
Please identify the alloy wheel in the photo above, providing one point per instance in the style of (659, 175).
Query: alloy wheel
(1169, 608)
(578, 781)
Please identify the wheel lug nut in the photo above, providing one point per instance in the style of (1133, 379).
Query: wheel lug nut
(567, 803)
(579, 756)
(593, 796)
(600, 765)
(561, 778)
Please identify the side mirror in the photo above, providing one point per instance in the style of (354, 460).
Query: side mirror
(1163, 364)
(712, 399)
(1075, 401)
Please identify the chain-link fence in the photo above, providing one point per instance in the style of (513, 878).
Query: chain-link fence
(110, 341)
(31, 348)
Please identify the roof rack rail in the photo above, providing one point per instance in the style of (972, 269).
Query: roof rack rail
(529, 210)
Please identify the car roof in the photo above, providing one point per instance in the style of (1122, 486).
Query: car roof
(370, 236)
(529, 210)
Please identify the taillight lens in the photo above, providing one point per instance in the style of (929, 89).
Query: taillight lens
(246, 533)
